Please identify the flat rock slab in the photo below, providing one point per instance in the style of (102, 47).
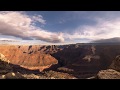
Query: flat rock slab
(108, 74)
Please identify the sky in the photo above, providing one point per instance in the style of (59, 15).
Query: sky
(58, 27)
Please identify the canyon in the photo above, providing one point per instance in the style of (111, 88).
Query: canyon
(78, 60)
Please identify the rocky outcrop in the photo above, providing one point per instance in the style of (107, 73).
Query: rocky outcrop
(6, 70)
(58, 75)
(116, 63)
(12, 75)
(27, 56)
(113, 71)
(108, 74)
(91, 57)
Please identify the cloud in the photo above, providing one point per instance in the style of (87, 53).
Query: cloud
(47, 36)
(39, 18)
(8, 39)
(21, 25)
(104, 28)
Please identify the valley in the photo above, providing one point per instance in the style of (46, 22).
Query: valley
(72, 61)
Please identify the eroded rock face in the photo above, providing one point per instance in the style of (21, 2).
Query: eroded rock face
(80, 58)
(113, 72)
(76, 57)
(116, 63)
(87, 60)
(108, 74)
(29, 57)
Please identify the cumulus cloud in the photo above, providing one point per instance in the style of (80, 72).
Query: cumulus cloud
(103, 29)
(21, 25)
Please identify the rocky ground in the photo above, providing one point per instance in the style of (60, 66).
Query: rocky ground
(108, 74)
(9, 71)
(50, 75)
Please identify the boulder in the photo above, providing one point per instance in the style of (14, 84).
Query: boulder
(108, 74)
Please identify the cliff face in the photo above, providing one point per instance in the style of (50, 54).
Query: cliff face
(28, 57)
(113, 71)
(86, 59)
(116, 63)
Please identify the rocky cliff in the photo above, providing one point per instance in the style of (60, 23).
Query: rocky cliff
(86, 60)
(112, 72)
(28, 57)
(77, 59)
(116, 63)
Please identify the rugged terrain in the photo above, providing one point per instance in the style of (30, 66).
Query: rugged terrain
(28, 57)
(86, 60)
(61, 61)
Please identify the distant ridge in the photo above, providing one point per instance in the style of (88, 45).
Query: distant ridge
(99, 43)
(110, 40)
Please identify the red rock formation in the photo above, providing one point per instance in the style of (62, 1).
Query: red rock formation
(28, 57)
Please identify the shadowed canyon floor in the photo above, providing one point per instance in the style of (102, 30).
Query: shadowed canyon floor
(58, 61)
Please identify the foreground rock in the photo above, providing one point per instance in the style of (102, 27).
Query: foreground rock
(13, 75)
(49, 75)
(108, 74)
(113, 72)
(5, 67)
(6, 70)
(58, 75)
